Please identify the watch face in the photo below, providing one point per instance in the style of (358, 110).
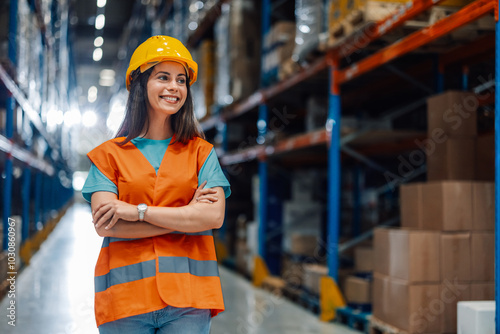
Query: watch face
(142, 207)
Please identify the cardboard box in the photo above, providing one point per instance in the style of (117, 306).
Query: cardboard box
(381, 250)
(306, 245)
(455, 112)
(358, 290)
(414, 255)
(411, 205)
(364, 259)
(408, 306)
(380, 307)
(485, 157)
(483, 256)
(483, 206)
(482, 291)
(447, 206)
(453, 159)
(449, 296)
(312, 275)
(456, 256)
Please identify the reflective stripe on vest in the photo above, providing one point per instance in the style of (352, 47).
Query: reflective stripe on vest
(136, 276)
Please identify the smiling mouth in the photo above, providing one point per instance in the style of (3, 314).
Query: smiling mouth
(170, 99)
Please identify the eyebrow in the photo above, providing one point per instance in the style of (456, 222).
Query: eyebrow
(169, 73)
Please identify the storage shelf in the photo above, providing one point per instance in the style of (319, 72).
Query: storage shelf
(370, 143)
(464, 16)
(206, 24)
(25, 156)
(26, 106)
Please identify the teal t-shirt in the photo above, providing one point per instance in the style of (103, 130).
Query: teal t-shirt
(154, 150)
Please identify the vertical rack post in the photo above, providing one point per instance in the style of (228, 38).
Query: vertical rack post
(262, 126)
(465, 77)
(262, 130)
(26, 204)
(9, 124)
(38, 193)
(333, 127)
(439, 72)
(497, 171)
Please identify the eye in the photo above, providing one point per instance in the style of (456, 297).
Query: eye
(182, 81)
(163, 77)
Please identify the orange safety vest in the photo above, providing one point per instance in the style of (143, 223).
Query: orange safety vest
(136, 276)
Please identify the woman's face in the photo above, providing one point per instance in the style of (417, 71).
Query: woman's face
(167, 88)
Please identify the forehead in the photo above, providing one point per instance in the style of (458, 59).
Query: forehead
(171, 67)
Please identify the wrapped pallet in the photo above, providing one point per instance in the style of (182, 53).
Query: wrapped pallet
(237, 35)
(309, 26)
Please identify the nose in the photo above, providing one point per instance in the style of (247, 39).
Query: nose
(172, 85)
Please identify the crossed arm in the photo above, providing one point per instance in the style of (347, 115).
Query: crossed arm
(115, 218)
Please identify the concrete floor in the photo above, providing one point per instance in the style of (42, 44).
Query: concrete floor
(54, 294)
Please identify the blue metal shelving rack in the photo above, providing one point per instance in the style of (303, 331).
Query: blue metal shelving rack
(497, 171)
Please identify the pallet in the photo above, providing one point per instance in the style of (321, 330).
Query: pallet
(372, 12)
(303, 298)
(377, 326)
(274, 285)
(354, 319)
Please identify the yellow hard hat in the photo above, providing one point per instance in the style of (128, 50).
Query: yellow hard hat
(157, 49)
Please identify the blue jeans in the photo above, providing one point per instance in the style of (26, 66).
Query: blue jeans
(167, 320)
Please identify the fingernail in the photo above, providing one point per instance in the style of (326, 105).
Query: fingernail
(106, 228)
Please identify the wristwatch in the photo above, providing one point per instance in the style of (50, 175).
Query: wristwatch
(141, 208)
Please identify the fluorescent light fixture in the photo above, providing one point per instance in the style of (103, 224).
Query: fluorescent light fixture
(107, 78)
(106, 82)
(100, 20)
(97, 54)
(107, 74)
(92, 94)
(54, 117)
(101, 3)
(72, 117)
(98, 42)
(89, 118)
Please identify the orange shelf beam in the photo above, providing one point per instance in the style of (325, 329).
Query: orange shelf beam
(374, 31)
(459, 19)
(265, 94)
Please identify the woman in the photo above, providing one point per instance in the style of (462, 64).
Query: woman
(156, 192)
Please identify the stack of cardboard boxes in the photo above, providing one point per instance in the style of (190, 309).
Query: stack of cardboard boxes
(444, 252)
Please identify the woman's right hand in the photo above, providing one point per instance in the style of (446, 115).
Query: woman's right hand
(204, 195)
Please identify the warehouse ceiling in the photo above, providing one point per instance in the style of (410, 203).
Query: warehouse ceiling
(117, 14)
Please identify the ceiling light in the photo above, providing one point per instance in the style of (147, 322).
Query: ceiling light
(72, 117)
(98, 42)
(89, 118)
(97, 54)
(106, 82)
(101, 3)
(92, 94)
(54, 117)
(99, 21)
(107, 74)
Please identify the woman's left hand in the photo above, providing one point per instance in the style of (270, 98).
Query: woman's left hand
(111, 212)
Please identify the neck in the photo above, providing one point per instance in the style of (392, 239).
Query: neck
(159, 127)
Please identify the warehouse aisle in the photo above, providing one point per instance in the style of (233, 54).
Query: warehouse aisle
(54, 294)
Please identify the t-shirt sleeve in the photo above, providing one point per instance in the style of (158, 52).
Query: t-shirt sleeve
(97, 181)
(213, 174)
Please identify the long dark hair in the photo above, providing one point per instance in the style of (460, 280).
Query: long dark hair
(184, 124)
